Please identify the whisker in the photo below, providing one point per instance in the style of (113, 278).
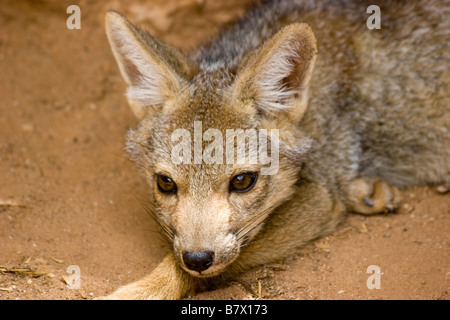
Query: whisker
(251, 225)
(254, 218)
(163, 228)
(251, 229)
(243, 244)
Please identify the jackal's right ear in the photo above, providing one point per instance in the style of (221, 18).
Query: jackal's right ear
(276, 76)
(153, 70)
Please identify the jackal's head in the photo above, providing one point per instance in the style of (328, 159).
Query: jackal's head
(220, 144)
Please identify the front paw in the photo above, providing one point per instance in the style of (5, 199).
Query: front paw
(167, 282)
(134, 291)
(371, 195)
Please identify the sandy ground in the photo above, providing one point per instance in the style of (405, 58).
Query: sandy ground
(68, 193)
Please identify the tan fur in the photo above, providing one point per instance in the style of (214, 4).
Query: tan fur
(359, 112)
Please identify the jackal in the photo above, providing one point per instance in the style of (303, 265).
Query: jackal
(359, 113)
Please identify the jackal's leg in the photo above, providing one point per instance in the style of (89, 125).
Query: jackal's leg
(370, 195)
(168, 281)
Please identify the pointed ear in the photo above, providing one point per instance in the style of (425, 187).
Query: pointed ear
(154, 71)
(277, 75)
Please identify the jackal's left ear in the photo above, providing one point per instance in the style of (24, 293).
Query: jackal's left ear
(276, 76)
(153, 70)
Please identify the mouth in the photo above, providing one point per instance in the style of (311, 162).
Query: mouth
(207, 263)
(209, 268)
(205, 274)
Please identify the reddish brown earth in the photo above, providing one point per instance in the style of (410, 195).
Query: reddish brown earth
(68, 193)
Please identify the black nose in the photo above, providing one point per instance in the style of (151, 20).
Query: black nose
(199, 260)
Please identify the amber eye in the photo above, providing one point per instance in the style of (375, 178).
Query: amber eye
(166, 184)
(243, 182)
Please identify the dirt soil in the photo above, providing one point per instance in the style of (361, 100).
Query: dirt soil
(68, 192)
